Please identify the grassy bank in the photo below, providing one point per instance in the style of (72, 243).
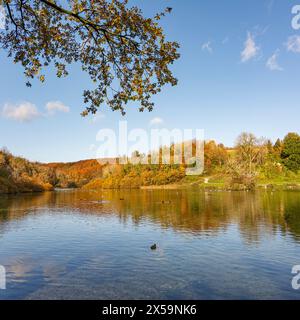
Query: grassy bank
(222, 184)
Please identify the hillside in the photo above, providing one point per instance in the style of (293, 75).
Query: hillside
(20, 175)
(75, 174)
(251, 163)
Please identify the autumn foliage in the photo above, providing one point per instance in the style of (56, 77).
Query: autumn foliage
(239, 168)
(20, 175)
(75, 174)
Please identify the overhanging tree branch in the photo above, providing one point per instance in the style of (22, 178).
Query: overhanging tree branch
(115, 45)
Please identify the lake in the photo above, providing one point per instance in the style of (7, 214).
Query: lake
(72, 244)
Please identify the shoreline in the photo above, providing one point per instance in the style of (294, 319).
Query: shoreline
(184, 186)
(213, 187)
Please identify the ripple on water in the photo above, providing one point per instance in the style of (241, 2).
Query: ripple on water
(79, 245)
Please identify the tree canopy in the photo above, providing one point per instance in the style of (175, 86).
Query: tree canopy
(250, 150)
(291, 151)
(125, 54)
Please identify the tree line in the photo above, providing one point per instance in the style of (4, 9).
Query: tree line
(252, 160)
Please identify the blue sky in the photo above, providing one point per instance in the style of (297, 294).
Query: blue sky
(239, 71)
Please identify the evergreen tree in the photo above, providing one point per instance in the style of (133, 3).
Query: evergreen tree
(291, 152)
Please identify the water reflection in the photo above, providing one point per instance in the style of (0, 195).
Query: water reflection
(76, 244)
(187, 211)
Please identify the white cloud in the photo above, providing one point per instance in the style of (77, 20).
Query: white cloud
(272, 62)
(293, 44)
(207, 47)
(56, 106)
(251, 50)
(156, 121)
(27, 111)
(22, 112)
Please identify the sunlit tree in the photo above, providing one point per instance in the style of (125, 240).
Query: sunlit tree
(250, 152)
(125, 54)
(291, 151)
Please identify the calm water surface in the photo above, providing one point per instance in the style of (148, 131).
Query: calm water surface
(88, 245)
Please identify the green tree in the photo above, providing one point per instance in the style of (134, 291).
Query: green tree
(277, 149)
(125, 54)
(251, 150)
(291, 152)
(278, 145)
